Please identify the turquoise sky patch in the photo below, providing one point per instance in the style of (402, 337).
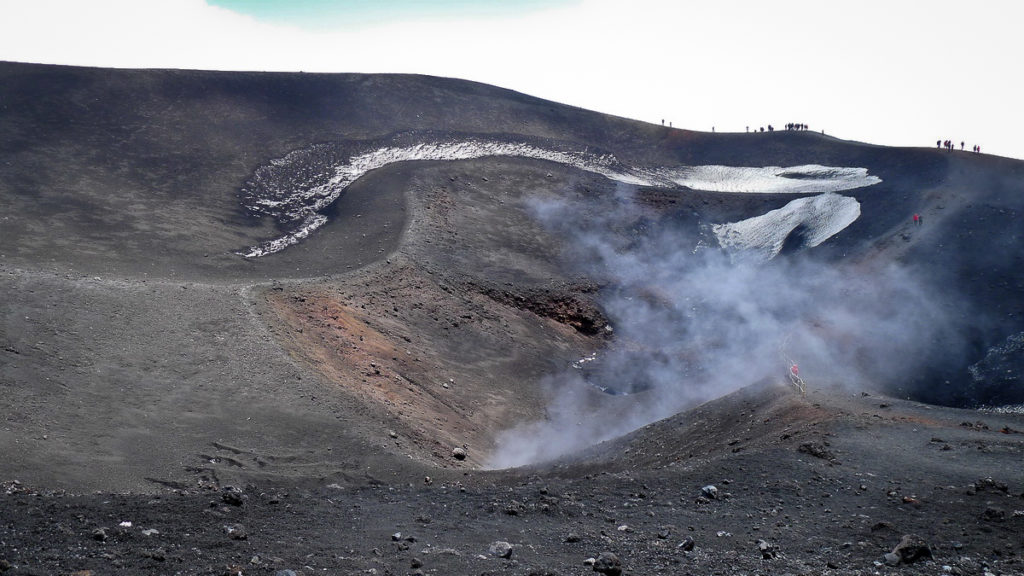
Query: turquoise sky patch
(322, 14)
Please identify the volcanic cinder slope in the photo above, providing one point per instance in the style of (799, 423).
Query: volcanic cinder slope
(272, 320)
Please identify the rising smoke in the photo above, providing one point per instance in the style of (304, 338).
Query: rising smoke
(693, 322)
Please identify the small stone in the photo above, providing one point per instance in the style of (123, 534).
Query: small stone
(150, 532)
(285, 573)
(572, 538)
(236, 532)
(500, 549)
(608, 563)
(459, 453)
(99, 534)
(231, 495)
(416, 563)
(710, 492)
(397, 536)
(891, 559)
(767, 550)
(687, 544)
(993, 514)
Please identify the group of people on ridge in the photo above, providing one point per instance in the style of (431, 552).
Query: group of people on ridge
(950, 145)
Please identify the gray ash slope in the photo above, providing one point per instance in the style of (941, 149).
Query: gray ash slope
(140, 354)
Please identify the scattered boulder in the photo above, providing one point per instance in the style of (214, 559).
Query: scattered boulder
(993, 514)
(572, 538)
(768, 550)
(233, 496)
(687, 544)
(608, 563)
(817, 450)
(459, 453)
(100, 534)
(891, 559)
(500, 549)
(514, 508)
(236, 532)
(710, 492)
(912, 548)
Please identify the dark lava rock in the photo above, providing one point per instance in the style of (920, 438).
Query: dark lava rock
(99, 534)
(687, 544)
(609, 564)
(231, 495)
(817, 450)
(993, 514)
(572, 538)
(236, 532)
(767, 550)
(912, 548)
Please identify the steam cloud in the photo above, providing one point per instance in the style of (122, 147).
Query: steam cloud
(692, 322)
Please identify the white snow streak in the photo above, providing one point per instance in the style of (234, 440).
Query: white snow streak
(307, 192)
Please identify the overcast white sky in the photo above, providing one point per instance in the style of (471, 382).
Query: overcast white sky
(896, 72)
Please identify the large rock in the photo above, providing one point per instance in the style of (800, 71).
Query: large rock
(912, 548)
(500, 549)
(608, 563)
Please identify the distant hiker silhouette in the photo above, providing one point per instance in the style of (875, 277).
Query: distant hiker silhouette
(938, 143)
(794, 370)
(917, 219)
(961, 144)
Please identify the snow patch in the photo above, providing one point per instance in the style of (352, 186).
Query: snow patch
(806, 179)
(820, 218)
(296, 188)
